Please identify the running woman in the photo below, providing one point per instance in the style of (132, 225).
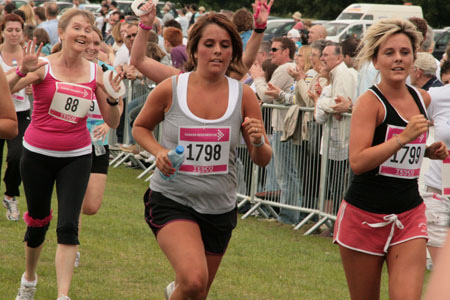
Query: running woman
(193, 215)
(57, 143)
(383, 216)
(10, 56)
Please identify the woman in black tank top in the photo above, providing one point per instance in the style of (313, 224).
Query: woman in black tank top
(387, 143)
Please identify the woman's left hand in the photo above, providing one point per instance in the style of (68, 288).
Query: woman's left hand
(101, 131)
(115, 81)
(437, 150)
(254, 129)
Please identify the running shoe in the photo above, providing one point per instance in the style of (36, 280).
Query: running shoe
(26, 292)
(63, 298)
(77, 260)
(169, 290)
(12, 209)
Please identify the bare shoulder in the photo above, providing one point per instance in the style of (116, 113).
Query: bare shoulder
(368, 105)
(425, 96)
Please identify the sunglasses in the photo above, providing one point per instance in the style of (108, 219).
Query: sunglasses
(275, 49)
(131, 35)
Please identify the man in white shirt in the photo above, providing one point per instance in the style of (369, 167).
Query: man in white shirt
(286, 154)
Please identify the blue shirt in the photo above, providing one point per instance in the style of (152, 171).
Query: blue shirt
(51, 27)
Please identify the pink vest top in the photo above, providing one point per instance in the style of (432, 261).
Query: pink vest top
(47, 132)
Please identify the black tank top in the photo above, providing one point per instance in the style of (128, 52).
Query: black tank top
(375, 192)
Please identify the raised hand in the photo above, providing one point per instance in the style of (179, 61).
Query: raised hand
(148, 18)
(30, 61)
(272, 90)
(115, 81)
(256, 71)
(296, 73)
(261, 12)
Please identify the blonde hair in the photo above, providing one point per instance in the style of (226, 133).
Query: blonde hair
(306, 51)
(64, 21)
(380, 32)
(115, 32)
(29, 14)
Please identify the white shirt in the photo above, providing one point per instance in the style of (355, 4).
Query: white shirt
(122, 56)
(439, 112)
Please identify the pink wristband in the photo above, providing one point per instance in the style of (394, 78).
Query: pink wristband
(20, 74)
(145, 27)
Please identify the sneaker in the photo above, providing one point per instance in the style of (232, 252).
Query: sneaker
(63, 298)
(77, 260)
(26, 292)
(169, 290)
(12, 210)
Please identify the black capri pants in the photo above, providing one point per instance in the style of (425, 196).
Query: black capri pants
(39, 175)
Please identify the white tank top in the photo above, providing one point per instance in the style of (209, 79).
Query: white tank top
(20, 99)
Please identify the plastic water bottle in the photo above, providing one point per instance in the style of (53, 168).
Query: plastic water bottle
(176, 157)
(99, 149)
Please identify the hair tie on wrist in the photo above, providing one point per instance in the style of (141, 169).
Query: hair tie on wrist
(145, 27)
(20, 74)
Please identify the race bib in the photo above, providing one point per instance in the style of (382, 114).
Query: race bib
(207, 150)
(71, 102)
(94, 111)
(446, 177)
(406, 162)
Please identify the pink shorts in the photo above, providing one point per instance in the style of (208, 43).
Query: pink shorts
(372, 233)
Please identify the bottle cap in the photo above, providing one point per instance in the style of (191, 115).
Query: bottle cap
(179, 149)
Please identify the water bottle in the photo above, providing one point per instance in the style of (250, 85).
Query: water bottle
(99, 149)
(176, 157)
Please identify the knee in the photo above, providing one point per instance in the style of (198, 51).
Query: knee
(194, 285)
(67, 233)
(36, 230)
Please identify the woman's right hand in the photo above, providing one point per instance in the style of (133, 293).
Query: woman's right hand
(417, 125)
(149, 17)
(163, 162)
(30, 61)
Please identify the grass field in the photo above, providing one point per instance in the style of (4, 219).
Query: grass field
(121, 260)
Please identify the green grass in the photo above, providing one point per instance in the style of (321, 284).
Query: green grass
(120, 258)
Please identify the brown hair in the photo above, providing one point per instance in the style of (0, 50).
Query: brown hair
(243, 20)
(98, 32)
(286, 44)
(154, 51)
(195, 35)
(11, 18)
(41, 36)
(173, 36)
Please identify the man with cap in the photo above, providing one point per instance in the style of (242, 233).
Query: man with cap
(423, 73)
(297, 16)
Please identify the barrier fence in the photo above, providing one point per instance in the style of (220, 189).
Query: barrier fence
(305, 180)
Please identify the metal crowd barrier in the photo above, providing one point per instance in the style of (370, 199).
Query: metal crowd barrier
(306, 178)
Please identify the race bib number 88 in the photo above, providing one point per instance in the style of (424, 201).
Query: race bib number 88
(71, 102)
(406, 162)
(207, 150)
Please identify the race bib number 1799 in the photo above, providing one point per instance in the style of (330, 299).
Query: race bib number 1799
(406, 162)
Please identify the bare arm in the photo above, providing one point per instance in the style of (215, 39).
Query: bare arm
(152, 113)
(149, 67)
(253, 129)
(261, 11)
(367, 114)
(8, 117)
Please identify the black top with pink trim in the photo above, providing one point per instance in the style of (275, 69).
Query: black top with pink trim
(392, 187)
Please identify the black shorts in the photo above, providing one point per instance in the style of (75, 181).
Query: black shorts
(100, 163)
(215, 229)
